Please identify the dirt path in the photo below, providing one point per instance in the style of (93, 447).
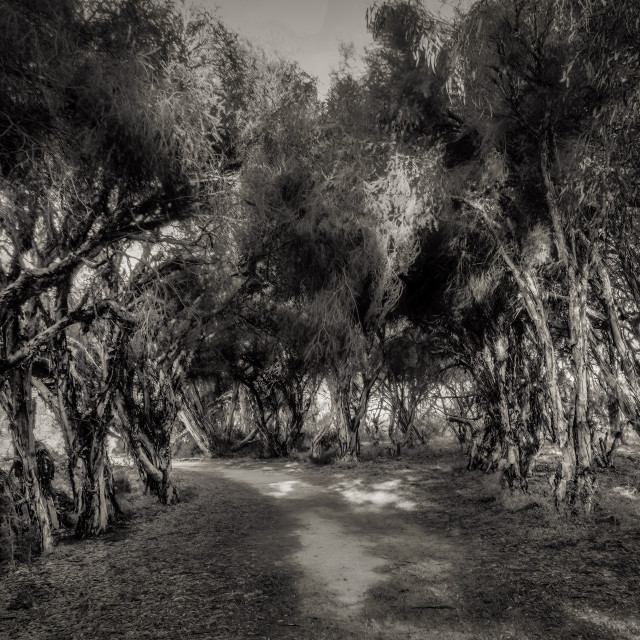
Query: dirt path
(404, 549)
(424, 549)
(350, 537)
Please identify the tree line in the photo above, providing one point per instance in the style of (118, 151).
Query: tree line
(187, 229)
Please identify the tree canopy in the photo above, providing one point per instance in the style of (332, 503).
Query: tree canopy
(189, 234)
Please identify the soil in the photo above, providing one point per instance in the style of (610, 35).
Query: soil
(413, 548)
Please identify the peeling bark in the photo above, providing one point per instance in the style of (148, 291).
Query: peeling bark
(194, 430)
(17, 401)
(352, 411)
(153, 460)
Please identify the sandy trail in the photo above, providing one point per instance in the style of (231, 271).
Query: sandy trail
(387, 551)
(339, 565)
(429, 551)
(351, 536)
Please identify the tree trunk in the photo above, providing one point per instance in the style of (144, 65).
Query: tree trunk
(317, 438)
(63, 400)
(401, 435)
(604, 451)
(194, 430)
(99, 505)
(626, 388)
(267, 424)
(60, 407)
(293, 430)
(583, 475)
(576, 449)
(153, 462)
(394, 421)
(245, 441)
(616, 433)
(156, 466)
(420, 435)
(531, 421)
(348, 428)
(19, 406)
(244, 410)
(168, 492)
(228, 427)
(534, 304)
(509, 437)
(12, 519)
(350, 421)
(325, 424)
(349, 440)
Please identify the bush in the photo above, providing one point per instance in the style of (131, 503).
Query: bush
(330, 439)
(15, 530)
(121, 482)
(326, 456)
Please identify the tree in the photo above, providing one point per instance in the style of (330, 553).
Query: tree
(170, 309)
(334, 210)
(527, 161)
(107, 134)
(410, 374)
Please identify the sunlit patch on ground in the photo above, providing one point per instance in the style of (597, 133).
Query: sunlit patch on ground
(627, 629)
(442, 467)
(383, 494)
(284, 488)
(626, 492)
(341, 562)
(386, 486)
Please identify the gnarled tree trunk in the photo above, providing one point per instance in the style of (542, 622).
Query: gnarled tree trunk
(19, 406)
(231, 409)
(351, 414)
(152, 459)
(99, 504)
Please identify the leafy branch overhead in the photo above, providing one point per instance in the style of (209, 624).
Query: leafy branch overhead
(196, 246)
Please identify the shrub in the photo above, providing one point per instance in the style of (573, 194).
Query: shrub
(121, 481)
(15, 538)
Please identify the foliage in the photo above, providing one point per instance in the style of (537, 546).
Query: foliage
(186, 229)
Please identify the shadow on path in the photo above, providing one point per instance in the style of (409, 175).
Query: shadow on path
(398, 550)
(428, 551)
(214, 567)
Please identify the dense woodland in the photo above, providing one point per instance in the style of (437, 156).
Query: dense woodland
(191, 239)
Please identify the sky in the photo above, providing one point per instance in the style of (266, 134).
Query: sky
(308, 31)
